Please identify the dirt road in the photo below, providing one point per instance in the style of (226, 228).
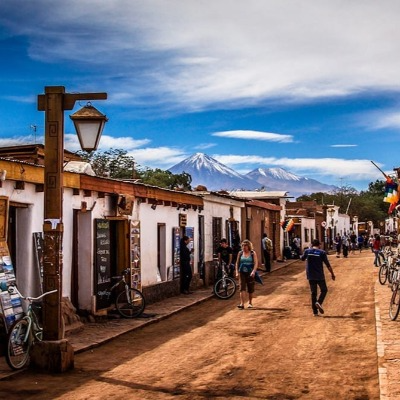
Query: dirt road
(277, 350)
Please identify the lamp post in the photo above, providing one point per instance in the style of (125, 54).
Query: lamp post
(355, 224)
(331, 212)
(54, 353)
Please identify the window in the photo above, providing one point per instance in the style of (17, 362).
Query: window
(216, 234)
(306, 235)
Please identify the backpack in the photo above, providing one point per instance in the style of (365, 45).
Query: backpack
(268, 244)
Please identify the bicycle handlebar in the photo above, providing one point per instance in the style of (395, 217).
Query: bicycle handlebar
(13, 290)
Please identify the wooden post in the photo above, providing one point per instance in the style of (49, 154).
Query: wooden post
(53, 203)
(55, 353)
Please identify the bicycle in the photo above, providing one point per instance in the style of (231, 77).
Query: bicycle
(394, 306)
(23, 333)
(391, 267)
(225, 287)
(383, 273)
(130, 303)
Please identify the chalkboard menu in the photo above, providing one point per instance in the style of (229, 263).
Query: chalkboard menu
(102, 262)
(176, 237)
(136, 276)
(38, 245)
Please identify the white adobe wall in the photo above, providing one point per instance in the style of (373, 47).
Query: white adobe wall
(307, 223)
(28, 220)
(220, 208)
(149, 219)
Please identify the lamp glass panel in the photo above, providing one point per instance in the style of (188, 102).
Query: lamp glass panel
(89, 133)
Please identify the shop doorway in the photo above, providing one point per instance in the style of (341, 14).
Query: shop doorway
(112, 256)
(161, 251)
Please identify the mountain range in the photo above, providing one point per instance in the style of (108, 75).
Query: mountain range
(212, 174)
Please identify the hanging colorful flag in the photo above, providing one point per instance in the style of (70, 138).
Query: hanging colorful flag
(391, 194)
(287, 225)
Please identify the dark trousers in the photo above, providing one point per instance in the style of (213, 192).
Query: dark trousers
(345, 251)
(186, 278)
(267, 260)
(314, 293)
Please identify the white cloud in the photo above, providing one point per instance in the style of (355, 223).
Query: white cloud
(254, 135)
(357, 170)
(158, 157)
(20, 140)
(344, 145)
(196, 54)
(205, 146)
(71, 142)
(383, 120)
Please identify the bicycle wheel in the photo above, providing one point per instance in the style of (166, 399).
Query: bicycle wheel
(390, 274)
(225, 288)
(17, 355)
(132, 306)
(383, 274)
(394, 307)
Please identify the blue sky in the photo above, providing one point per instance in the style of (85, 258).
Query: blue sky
(309, 86)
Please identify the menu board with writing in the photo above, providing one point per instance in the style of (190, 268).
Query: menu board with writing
(102, 262)
(38, 245)
(189, 231)
(176, 237)
(136, 276)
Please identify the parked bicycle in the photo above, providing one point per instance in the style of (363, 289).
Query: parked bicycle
(24, 332)
(225, 287)
(394, 307)
(130, 303)
(383, 273)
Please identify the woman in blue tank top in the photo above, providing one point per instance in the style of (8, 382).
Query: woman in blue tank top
(246, 267)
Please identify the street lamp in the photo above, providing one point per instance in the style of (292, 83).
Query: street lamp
(331, 212)
(55, 353)
(89, 123)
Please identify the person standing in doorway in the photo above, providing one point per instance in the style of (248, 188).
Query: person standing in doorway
(316, 258)
(297, 245)
(186, 268)
(267, 250)
(246, 267)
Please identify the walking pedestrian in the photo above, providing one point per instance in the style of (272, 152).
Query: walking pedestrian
(267, 250)
(338, 244)
(186, 268)
(246, 267)
(345, 245)
(360, 242)
(316, 258)
(353, 242)
(377, 248)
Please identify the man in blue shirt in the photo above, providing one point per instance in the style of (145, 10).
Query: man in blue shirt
(316, 258)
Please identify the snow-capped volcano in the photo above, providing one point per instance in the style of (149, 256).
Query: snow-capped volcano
(209, 172)
(276, 173)
(280, 179)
